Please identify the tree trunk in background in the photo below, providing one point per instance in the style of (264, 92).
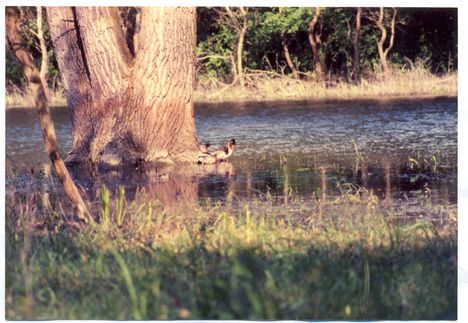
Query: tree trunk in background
(240, 50)
(37, 86)
(383, 53)
(126, 108)
(315, 42)
(289, 61)
(238, 20)
(356, 74)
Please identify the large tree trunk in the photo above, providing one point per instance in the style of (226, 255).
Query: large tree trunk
(37, 86)
(315, 42)
(125, 108)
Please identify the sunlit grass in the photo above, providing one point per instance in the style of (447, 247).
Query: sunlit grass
(345, 257)
(263, 86)
(16, 99)
(415, 83)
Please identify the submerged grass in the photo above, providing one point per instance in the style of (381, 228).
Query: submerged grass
(344, 258)
(263, 86)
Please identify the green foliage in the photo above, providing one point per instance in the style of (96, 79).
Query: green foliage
(419, 36)
(13, 72)
(215, 51)
(427, 35)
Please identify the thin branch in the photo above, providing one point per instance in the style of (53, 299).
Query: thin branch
(45, 59)
(392, 35)
(201, 58)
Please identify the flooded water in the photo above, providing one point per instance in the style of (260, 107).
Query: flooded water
(398, 150)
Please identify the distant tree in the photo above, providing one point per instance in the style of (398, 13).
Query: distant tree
(237, 19)
(380, 18)
(315, 41)
(284, 24)
(128, 104)
(356, 68)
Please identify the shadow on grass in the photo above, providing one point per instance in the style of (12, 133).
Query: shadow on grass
(60, 277)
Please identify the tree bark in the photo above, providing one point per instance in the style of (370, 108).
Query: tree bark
(356, 68)
(383, 52)
(126, 108)
(315, 41)
(37, 86)
(44, 71)
(287, 55)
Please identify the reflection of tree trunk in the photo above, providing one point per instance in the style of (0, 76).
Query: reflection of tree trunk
(315, 42)
(364, 172)
(323, 184)
(169, 185)
(388, 183)
(37, 85)
(249, 184)
(174, 189)
(356, 70)
(286, 184)
(289, 61)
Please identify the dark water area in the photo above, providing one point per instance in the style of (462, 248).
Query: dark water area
(398, 149)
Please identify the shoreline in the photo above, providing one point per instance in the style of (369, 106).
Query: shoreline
(299, 100)
(402, 86)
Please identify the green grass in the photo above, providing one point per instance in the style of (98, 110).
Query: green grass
(344, 258)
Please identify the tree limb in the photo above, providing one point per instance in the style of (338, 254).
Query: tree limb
(392, 32)
(40, 35)
(37, 86)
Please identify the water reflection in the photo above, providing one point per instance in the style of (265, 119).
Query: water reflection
(169, 185)
(282, 183)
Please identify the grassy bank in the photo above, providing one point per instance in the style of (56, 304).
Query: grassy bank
(345, 258)
(416, 83)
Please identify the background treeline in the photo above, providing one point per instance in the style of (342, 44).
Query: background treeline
(329, 44)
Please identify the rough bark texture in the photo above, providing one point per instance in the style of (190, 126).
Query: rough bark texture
(38, 88)
(356, 69)
(126, 108)
(315, 42)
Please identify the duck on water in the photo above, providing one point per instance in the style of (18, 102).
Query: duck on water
(221, 154)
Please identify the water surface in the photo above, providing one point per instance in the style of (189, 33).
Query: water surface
(399, 150)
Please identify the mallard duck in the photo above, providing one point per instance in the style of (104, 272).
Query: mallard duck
(204, 147)
(225, 152)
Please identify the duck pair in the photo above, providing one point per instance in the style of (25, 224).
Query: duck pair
(223, 153)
